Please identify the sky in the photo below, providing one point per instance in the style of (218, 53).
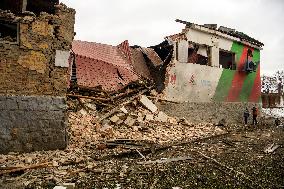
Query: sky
(147, 22)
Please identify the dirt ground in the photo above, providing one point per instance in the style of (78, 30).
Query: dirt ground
(233, 159)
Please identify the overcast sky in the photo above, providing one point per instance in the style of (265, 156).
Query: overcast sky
(147, 22)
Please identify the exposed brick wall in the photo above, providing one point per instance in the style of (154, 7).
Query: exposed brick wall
(32, 87)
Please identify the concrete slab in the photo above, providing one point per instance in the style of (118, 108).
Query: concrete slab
(148, 104)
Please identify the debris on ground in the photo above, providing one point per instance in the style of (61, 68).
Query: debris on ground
(122, 140)
(271, 148)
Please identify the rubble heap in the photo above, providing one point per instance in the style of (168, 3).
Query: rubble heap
(134, 127)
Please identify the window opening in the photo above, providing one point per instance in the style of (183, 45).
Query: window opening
(8, 31)
(198, 54)
(227, 60)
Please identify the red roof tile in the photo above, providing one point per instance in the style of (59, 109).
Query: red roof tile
(179, 36)
(102, 65)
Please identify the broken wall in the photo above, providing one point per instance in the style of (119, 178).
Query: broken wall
(33, 80)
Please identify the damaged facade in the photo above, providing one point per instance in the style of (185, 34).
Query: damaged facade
(35, 40)
(213, 72)
(211, 64)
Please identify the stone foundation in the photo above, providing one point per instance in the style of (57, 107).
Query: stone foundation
(211, 112)
(32, 123)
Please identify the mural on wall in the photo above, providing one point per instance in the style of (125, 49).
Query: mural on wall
(196, 83)
(238, 85)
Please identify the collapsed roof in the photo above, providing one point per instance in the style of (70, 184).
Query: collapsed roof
(110, 67)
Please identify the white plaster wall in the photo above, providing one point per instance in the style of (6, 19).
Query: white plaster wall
(225, 44)
(61, 58)
(183, 51)
(199, 37)
(192, 83)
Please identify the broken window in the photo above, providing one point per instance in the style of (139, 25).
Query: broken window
(227, 60)
(15, 6)
(8, 31)
(198, 54)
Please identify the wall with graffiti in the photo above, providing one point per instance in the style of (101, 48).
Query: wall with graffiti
(200, 83)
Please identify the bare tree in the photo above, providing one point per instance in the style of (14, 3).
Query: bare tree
(274, 83)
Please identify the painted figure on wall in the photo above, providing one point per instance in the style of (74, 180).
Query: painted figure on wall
(249, 66)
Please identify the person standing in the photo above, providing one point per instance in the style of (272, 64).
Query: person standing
(246, 116)
(254, 115)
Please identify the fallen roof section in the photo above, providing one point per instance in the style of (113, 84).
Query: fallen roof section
(101, 65)
(139, 63)
(111, 68)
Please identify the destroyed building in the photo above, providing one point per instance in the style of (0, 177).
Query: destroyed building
(216, 71)
(35, 40)
(213, 64)
(208, 73)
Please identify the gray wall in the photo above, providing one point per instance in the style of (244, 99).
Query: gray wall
(211, 112)
(31, 123)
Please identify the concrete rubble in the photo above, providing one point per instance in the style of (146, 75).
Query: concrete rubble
(148, 104)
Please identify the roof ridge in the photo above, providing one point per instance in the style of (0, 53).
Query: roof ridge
(92, 42)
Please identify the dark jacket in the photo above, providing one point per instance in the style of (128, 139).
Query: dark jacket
(246, 113)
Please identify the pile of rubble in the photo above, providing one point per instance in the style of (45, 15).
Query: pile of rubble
(134, 125)
(138, 119)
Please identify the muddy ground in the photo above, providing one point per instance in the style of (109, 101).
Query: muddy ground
(232, 160)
